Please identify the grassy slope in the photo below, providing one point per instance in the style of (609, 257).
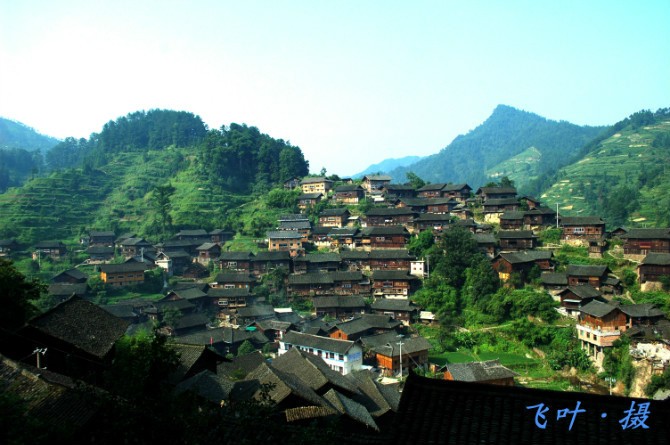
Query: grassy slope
(621, 158)
(520, 168)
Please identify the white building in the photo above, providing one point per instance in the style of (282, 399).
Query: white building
(343, 356)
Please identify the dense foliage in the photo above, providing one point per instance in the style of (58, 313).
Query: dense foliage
(242, 159)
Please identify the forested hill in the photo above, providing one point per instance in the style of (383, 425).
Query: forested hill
(21, 152)
(511, 142)
(388, 165)
(623, 176)
(110, 181)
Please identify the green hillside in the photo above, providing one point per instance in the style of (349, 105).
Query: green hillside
(475, 158)
(520, 168)
(625, 177)
(120, 174)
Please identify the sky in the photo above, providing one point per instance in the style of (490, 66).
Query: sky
(350, 82)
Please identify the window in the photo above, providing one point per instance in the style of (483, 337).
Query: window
(223, 302)
(578, 230)
(232, 264)
(340, 357)
(229, 286)
(380, 238)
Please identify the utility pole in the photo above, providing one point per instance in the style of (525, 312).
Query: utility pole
(400, 343)
(557, 215)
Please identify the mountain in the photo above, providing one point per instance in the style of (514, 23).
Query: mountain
(511, 142)
(387, 165)
(21, 152)
(623, 176)
(114, 180)
(17, 135)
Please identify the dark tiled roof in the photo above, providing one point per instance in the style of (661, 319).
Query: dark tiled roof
(455, 187)
(234, 278)
(81, 324)
(73, 273)
(49, 245)
(366, 322)
(403, 187)
(348, 275)
(394, 304)
(432, 187)
(410, 345)
(354, 255)
(350, 408)
(120, 310)
(585, 270)
(134, 242)
(256, 311)
(318, 258)
(584, 291)
(581, 220)
(440, 411)
(310, 196)
(272, 256)
(340, 211)
(294, 225)
(554, 279)
(384, 211)
(657, 259)
(191, 293)
(515, 234)
(207, 246)
(191, 321)
(512, 216)
(218, 292)
(310, 278)
(100, 250)
(93, 233)
(236, 256)
(384, 231)
(377, 177)
(208, 385)
(339, 301)
(485, 238)
(179, 305)
(284, 234)
(245, 363)
(392, 275)
(283, 385)
(641, 310)
(131, 266)
(193, 232)
(479, 371)
(526, 256)
(318, 342)
(67, 289)
(647, 234)
(424, 202)
(597, 308)
(315, 179)
(293, 217)
(338, 232)
(392, 254)
(378, 399)
(496, 190)
(312, 370)
(501, 202)
(348, 188)
(54, 400)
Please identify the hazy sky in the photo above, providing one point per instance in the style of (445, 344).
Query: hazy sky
(350, 82)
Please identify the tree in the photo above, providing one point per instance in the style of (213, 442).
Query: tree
(414, 180)
(17, 296)
(458, 249)
(505, 181)
(245, 348)
(481, 282)
(160, 199)
(421, 244)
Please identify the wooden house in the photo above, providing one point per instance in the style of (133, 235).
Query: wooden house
(512, 240)
(292, 183)
(100, 253)
(381, 216)
(411, 352)
(124, 274)
(374, 184)
(485, 194)
(399, 191)
(574, 297)
(265, 262)
(303, 227)
(365, 325)
(390, 259)
(428, 205)
(220, 236)
(192, 234)
(235, 261)
(226, 280)
(355, 260)
(338, 217)
(77, 338)
(342, 237)
(391, 237)
(7, 246)
(53, 249)
(493, 209)
(318, 184)
(131, 247)
(339, 306)
(579, 230)
(639, 242)
(285, 241)
(457, 192)
(431, 221)
(309, 200)
(342, 356)
(599, 325)
(554, 282)
(393, 283)
(521, 263)
(595, 275)
(70, 276)
(349, 194)
(651, 269)
(316, 262)
(538, 218)
(208, 252)
(512, 220)
(490, 372)
(396, 308)
(101, 238)
(228, 298)
(487, 243)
